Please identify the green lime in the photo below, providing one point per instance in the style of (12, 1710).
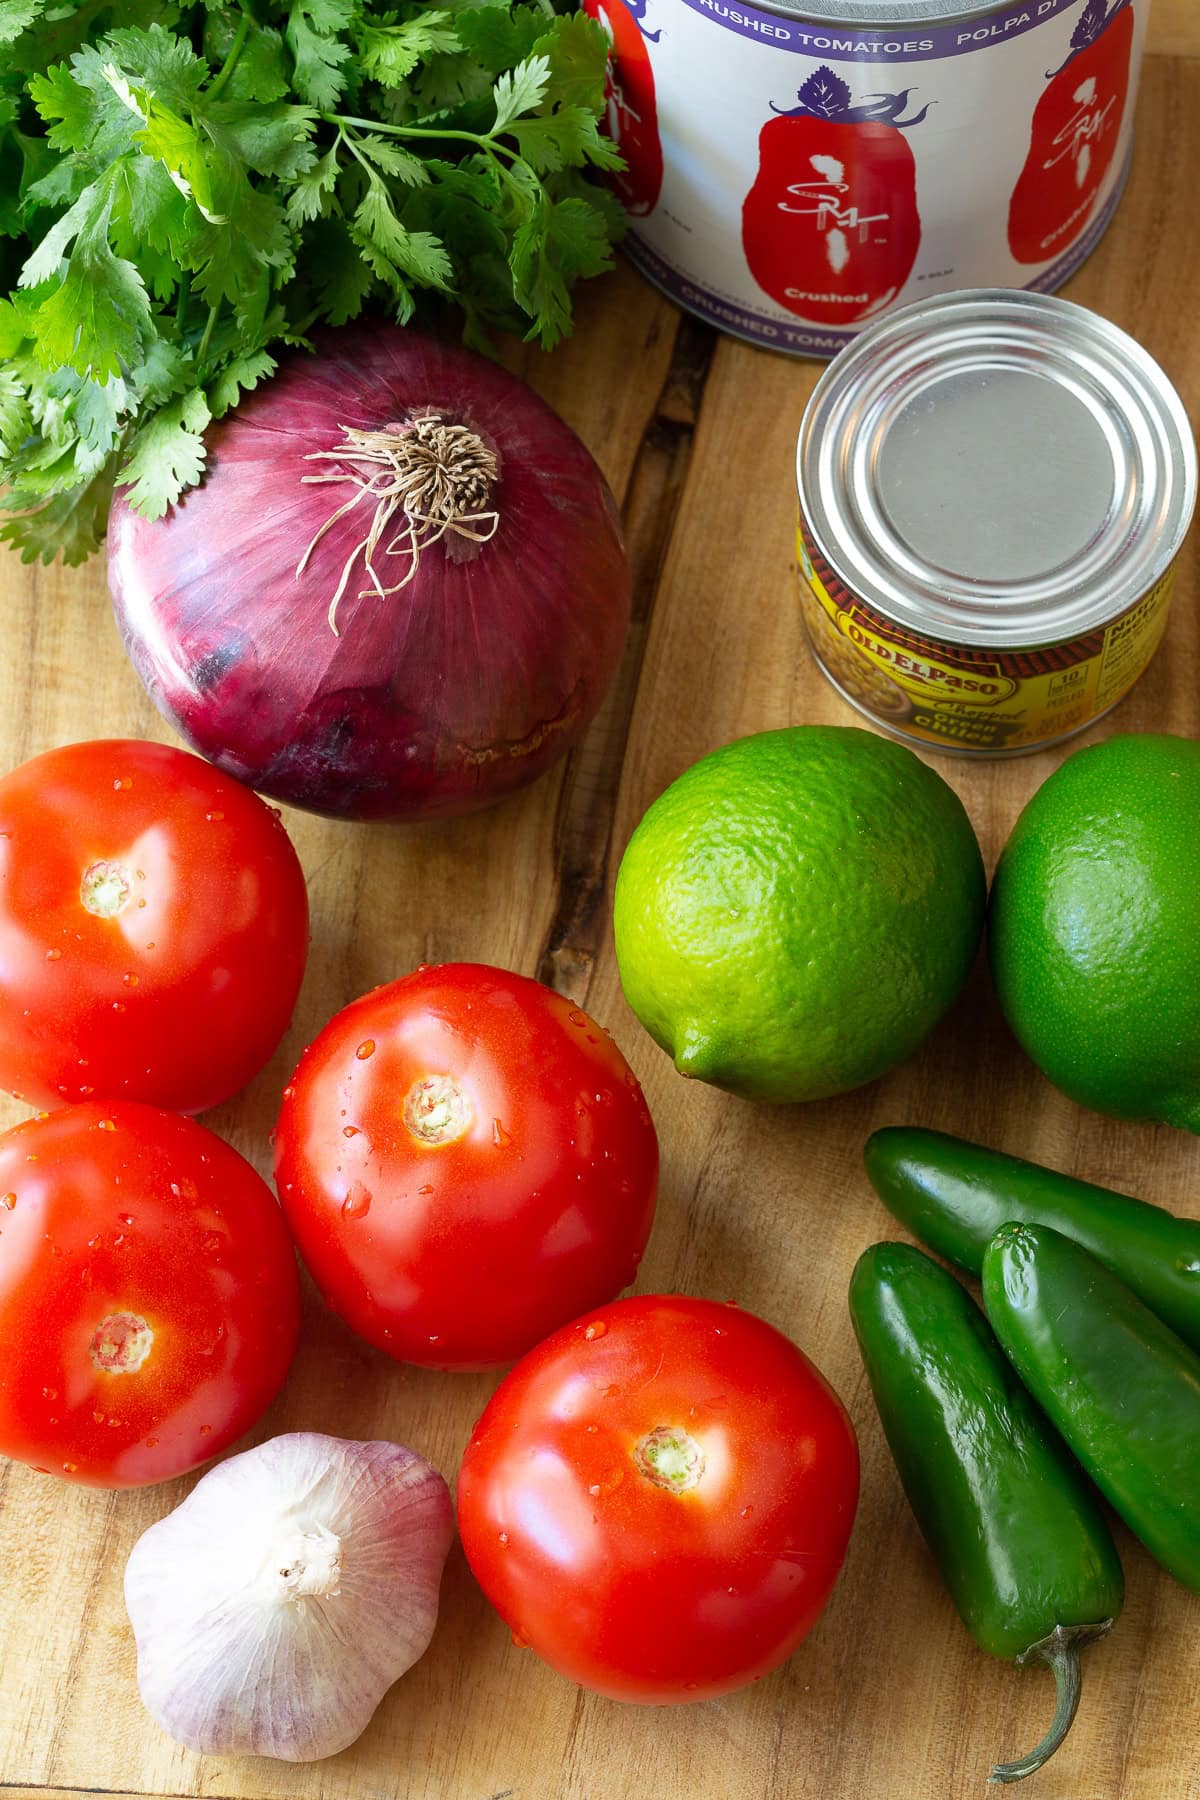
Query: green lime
(1094, 943)
(797, 911)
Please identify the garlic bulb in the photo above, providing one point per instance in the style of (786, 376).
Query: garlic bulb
(275, 1607)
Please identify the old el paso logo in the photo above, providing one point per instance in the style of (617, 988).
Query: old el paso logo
(980, 686)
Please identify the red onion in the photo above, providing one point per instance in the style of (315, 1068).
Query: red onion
(427, 681)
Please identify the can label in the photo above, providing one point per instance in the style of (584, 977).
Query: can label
(791, 181)
(957, 698)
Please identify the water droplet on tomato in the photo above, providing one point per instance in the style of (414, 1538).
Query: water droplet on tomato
(504, 1537)
(500, 1137)
(125, 1218)
(70, 1468)
(49, 1393)
(151, 1443)
(350, 1130)
(53, 955)
(519, 1643)
(596, 1329)
(214, 817)
(591, 1428)
(427, 1189)
(365, 1049)
(8, 1201)
(594, 1490)
(357, 1203)
(86, 1088)
(123, 783)
(94, 1243)
(118, 1006)
(690, 1687)
(130, 980)
(746, 1511)
(98, 1418)
(576, 1017)
(105, 1125)
(433, 1337)
(212, 1242)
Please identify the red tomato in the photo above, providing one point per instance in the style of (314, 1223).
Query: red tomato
(466, 1161)
(149, 1302)
(831, 227)
(153, 928)
(658, 1498)
(1075, 130)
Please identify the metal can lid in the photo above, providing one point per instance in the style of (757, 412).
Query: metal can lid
(997, 467)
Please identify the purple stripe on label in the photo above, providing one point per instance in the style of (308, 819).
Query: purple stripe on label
(899, 44)
(799, 339)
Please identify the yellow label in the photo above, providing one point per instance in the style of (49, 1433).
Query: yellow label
(977, 699)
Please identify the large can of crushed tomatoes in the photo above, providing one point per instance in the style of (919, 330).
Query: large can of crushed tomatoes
(994, 487)
(797, 167)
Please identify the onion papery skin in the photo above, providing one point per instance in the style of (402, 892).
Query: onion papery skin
(437, 700)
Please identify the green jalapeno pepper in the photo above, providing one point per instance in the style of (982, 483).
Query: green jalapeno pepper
(955, 1196)
(1119, 1385)
(1014, 1529)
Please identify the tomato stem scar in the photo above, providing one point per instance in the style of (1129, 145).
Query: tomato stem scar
(670, 1459)
(121, 1343)
(436, 1110)
(105, 889)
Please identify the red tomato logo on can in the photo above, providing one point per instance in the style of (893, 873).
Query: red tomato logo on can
(631, 111)
(1075, 131)
(831, 228)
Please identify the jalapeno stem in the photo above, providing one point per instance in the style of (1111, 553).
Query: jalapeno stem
(1060, 1653)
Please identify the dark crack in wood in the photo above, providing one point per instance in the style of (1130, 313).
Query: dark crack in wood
(588, 798)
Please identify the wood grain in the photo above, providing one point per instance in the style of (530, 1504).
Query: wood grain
(888, 1697)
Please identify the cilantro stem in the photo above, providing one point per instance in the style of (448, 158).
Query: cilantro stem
(185, 290)
(489, 142)
(202, 352)
(230, 64)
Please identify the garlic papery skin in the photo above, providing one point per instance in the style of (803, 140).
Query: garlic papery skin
(275, 1607)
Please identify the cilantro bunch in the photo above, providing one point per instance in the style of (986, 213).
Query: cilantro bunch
(185, 188)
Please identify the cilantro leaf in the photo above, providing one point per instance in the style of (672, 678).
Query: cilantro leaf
(391, 159)
(238, 377)
(318, 51)
(520, 90)
(167, 455)
(15, 420)
(98, 315)
(17, 16)
(576, 48)
(565, 138)
(310, 197)
(416, 254)
(260, 72)
(69, 522)
(389, 52)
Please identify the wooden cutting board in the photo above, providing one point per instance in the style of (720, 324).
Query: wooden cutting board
(888, 1697)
